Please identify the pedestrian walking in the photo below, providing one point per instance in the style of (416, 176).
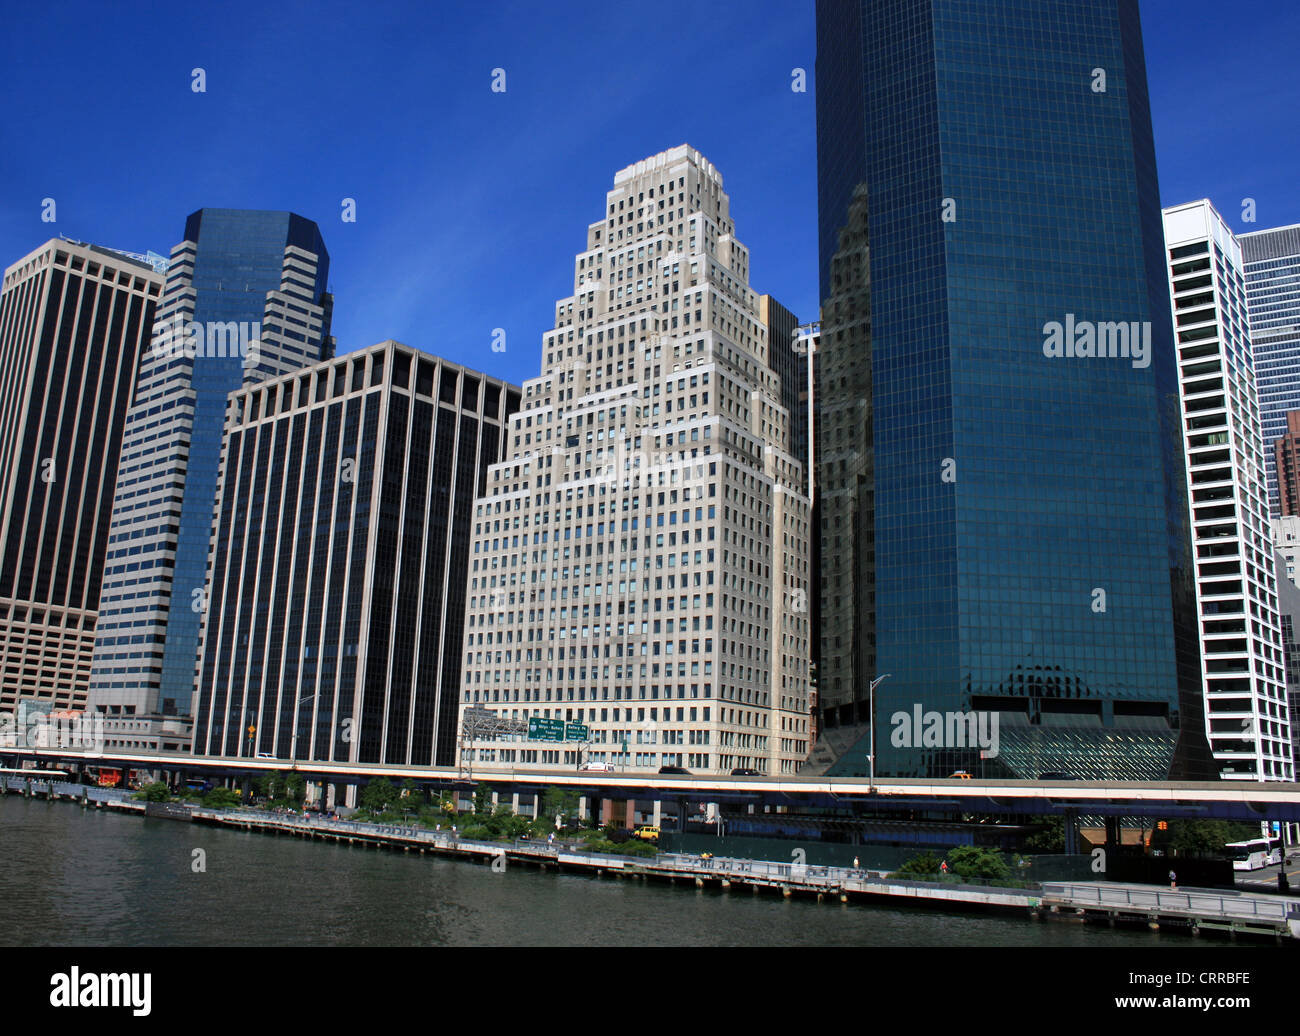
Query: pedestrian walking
(1173, 880)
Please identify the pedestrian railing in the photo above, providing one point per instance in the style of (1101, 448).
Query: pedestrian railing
(1188, 901)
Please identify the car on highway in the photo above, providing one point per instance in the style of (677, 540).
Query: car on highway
(745, 771)
(675, 769)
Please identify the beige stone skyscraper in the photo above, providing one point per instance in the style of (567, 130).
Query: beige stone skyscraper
(640, 559)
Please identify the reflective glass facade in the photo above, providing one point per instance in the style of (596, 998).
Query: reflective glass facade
(1031, 552)
(340, 557)
(245, 300)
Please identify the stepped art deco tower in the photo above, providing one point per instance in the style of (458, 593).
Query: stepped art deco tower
(640, 562)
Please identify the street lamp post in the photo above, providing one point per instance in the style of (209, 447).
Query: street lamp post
(293, 747)
(871, 715)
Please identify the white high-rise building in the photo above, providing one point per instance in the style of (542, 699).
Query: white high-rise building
(1242, 661)
(640, 559)
(1286, 541)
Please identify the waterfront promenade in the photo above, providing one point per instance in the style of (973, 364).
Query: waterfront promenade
(1193, 911)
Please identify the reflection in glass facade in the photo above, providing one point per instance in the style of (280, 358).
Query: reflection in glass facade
(1029, 519)
(245, 300)
(340, 556)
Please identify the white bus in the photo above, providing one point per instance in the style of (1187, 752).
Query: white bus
(1255, 853)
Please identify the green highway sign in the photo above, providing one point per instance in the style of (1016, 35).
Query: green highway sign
(540, 729)
(576, 732)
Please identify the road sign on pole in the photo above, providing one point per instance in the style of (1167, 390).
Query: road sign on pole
(576, 732)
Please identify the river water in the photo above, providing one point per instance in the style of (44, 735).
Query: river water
(97, 878)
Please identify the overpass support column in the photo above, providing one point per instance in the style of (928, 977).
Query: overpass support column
(1071, 834)
(582, 807)
(514, 803)
(630, 814)
(659, 810)
(1112, 833)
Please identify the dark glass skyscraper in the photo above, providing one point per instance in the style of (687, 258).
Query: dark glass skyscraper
(1030, 555)
(245, 300)
(345, 520)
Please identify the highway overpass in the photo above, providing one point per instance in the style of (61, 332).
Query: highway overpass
(1227, 800)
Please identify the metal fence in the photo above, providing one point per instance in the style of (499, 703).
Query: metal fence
(1242, 905)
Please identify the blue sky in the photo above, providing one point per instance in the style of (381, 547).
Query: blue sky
(471, 204)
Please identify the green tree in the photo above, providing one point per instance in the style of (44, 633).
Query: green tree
(923, 866)
(559, 800)
(155, 792)
(221, 798)
(974, 861)
(280, 786)
(482, 800)
(1208, 837)
(378, 795)
(1047, 835)
(295, 788)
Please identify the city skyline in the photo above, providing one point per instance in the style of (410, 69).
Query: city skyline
(384, 142)
(783, 473)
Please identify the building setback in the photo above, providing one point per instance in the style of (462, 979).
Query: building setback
(1271, 259)
(1029, 548)
(244, 301)
(1242, 659)
(339, 559)
(640, 558)
(74, 321)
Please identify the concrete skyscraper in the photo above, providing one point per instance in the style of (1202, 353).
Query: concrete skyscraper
(245, 300)
(1271, 259)
(1023, 487)
(1243, 665)
(640, 558)
(75, 320)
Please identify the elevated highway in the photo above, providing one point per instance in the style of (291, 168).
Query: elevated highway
(1227, 800)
